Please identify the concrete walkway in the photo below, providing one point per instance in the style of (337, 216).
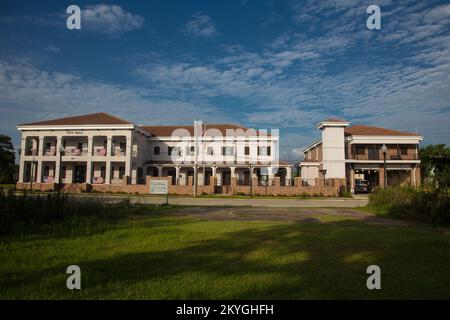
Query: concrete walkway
(251, 202)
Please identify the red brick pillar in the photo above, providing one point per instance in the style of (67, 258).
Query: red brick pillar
(233, 185)
(381, 177)
(212, 184)
(276, 182)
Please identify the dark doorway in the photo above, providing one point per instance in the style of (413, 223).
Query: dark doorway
(79, 174)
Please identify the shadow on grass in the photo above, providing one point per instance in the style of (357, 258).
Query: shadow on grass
(286, 261)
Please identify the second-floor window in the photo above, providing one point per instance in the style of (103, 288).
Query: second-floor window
(210, 151)
(174, 151)
(263, 151)
(156, 151)
(190, 150)
(360, 150)
(227, 151)
(403, 150)
(247, 151)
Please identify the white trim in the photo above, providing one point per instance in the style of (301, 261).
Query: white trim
(312, 164)
(306, 149)
(333, 124)
(379, 139)
(75, 127)
(381, 161)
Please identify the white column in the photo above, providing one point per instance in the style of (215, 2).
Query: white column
(39, 171)
(134, 174)
(214, 170)
(90, 146)
(288, 175)
(108, 171)
(41, 146)
(58, 163)
(22, 157)
(352, 180)
(160, 171)
(233, 170)
(89, 171)
(108, 146)
(177, 175)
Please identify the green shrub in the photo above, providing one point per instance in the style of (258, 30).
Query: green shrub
(34, 213)
(427, 205)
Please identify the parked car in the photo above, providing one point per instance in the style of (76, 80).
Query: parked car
(361, 186)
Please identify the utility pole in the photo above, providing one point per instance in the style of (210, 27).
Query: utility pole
(384, 150)
(196, 125)
(61, 151)
(31, 175)
(251, 181)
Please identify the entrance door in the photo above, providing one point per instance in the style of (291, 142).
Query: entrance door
(79, 174)
(226, 178)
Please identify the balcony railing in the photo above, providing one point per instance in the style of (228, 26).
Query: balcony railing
(98, 180)
(100, 152)
(31, 152)
(74, 152)
(120, 152)
(50, 152)
(49, 179)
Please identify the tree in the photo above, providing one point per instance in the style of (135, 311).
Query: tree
(7, 159)
(435, 160)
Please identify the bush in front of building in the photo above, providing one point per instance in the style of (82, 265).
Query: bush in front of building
(424, 204)
(28, 214)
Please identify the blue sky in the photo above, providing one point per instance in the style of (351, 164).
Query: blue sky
(262, 64)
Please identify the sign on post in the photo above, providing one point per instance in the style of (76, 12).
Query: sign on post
(159, 187)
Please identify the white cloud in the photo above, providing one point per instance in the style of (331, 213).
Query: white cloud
(111, 20)
(28, 93)
(438, 14)
(52, 49)
(301, 78)
(201, 25)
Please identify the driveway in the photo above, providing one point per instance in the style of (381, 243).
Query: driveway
(252, 202)
(284, 214)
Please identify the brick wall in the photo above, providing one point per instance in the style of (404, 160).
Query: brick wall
(332, 187)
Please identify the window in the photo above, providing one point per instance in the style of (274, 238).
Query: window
(121, 172)
(122, 146)
(46, 171)
(360, 150)
(174, 151)
(210, 151)
(63, 172)
(190, 150)
(156, 151)
(403, 150)
(227, 151)
(263, 151)
(103, 172)
(247, 151)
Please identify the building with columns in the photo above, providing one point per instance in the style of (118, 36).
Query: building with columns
(356, 152)
(101, 149)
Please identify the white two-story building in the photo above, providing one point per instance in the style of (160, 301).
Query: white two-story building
(102, 149)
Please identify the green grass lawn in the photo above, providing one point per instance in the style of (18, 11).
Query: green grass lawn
(158, 256)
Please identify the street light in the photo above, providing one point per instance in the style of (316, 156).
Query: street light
(384, 150)
(61, 151)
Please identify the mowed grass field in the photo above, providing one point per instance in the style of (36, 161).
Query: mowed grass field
(163, 256)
